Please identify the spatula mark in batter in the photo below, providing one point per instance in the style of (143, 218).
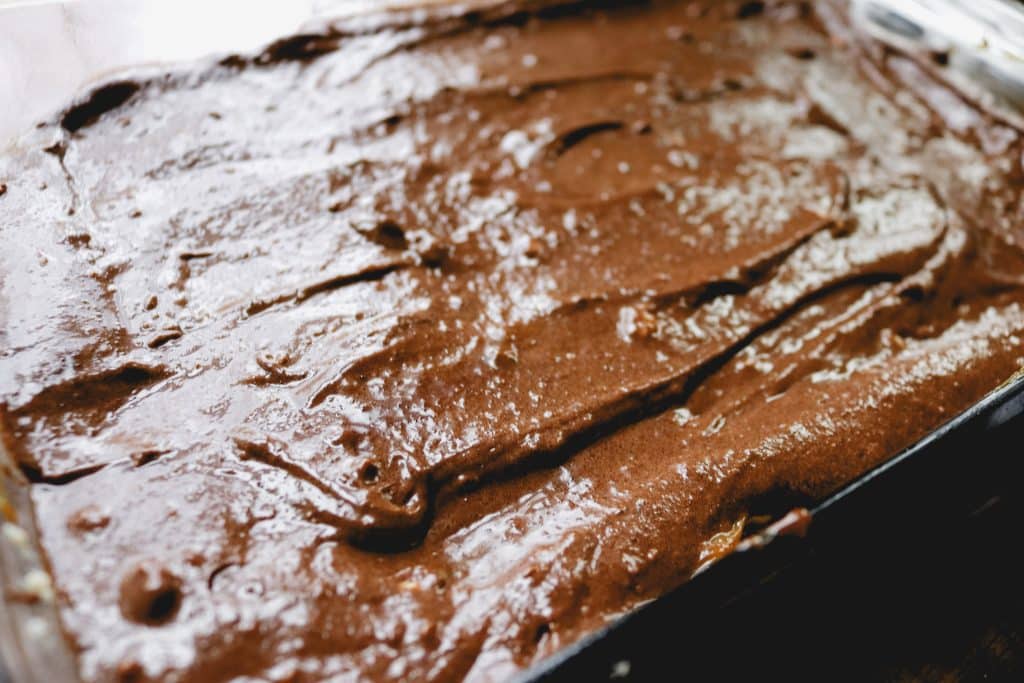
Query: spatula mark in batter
(371, 274)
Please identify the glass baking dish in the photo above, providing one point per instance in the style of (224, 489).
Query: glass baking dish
(51, 50)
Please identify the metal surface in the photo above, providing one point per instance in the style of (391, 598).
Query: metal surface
(32, 646)
(978, 43)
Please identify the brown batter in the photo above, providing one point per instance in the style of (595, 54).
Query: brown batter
(418, 348)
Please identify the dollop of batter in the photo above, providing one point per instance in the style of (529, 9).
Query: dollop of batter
(418, 346)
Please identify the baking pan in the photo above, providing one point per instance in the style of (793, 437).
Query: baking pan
(979, 46)
(930, 486)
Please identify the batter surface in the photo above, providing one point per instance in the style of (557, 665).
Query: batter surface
(418, 347)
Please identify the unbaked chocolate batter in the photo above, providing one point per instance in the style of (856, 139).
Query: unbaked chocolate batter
(418, 347)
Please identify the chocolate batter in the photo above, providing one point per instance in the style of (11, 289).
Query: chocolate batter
(418, 347)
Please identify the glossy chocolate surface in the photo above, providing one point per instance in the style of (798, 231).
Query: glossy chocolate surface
(419, 347)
